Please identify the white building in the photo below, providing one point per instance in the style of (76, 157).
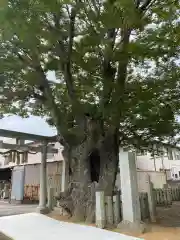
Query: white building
(168, 158)
(32, 158)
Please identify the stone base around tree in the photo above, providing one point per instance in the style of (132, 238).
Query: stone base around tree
(42, 210)
(132, 227)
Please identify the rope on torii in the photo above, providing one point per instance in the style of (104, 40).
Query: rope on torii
(20, 152)
(26, 148)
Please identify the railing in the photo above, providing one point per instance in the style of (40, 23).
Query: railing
(165, 197)
(175, 193)
(162, 197)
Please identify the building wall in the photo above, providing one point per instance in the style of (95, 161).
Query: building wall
(54, 173)
(157, 178)
(36, 158)
(148, 163)
(3, 162)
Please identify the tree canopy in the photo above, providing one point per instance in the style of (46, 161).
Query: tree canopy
(115, 61)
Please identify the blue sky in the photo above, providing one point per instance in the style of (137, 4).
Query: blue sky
(33, 124)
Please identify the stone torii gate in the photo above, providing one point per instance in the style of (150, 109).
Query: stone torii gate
(44, 149)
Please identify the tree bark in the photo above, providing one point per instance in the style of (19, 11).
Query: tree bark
(109, 164)
(79, 200)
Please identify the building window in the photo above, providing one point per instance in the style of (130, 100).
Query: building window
(176, 176)
(19, 141)
(126, 149)
(24, 157)
(157, 152)
(179, 173)
(160, 152)
(169, 154)
(177, 157)
(141, 152)
(8, 158)
(50, 155)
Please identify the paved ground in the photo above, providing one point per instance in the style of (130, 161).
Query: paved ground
(20, 227)
(7, 209)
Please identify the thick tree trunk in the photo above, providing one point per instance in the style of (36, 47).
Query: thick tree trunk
(109, 164)
(76, 197)
(84, 170)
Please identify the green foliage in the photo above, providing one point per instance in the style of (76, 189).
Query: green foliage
(115, 61)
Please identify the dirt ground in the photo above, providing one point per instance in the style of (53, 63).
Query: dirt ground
(167, 226)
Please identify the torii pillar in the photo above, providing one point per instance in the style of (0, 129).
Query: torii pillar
(42, 208)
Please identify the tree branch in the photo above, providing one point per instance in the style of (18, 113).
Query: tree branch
(60, 47)
(108, 70)
(145, 5)
(121, 73)
(66, 53)
(122, 64)
(67, 70)
(24, 58)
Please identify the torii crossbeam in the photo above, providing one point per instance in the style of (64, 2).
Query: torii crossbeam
(44, 149)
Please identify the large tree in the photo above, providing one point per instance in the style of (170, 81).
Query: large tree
(117, 79)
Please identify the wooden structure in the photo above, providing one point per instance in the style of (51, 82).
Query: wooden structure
(165, 196)
(44, 149)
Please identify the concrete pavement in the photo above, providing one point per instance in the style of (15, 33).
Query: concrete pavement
(7, 209)
(35, 226)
